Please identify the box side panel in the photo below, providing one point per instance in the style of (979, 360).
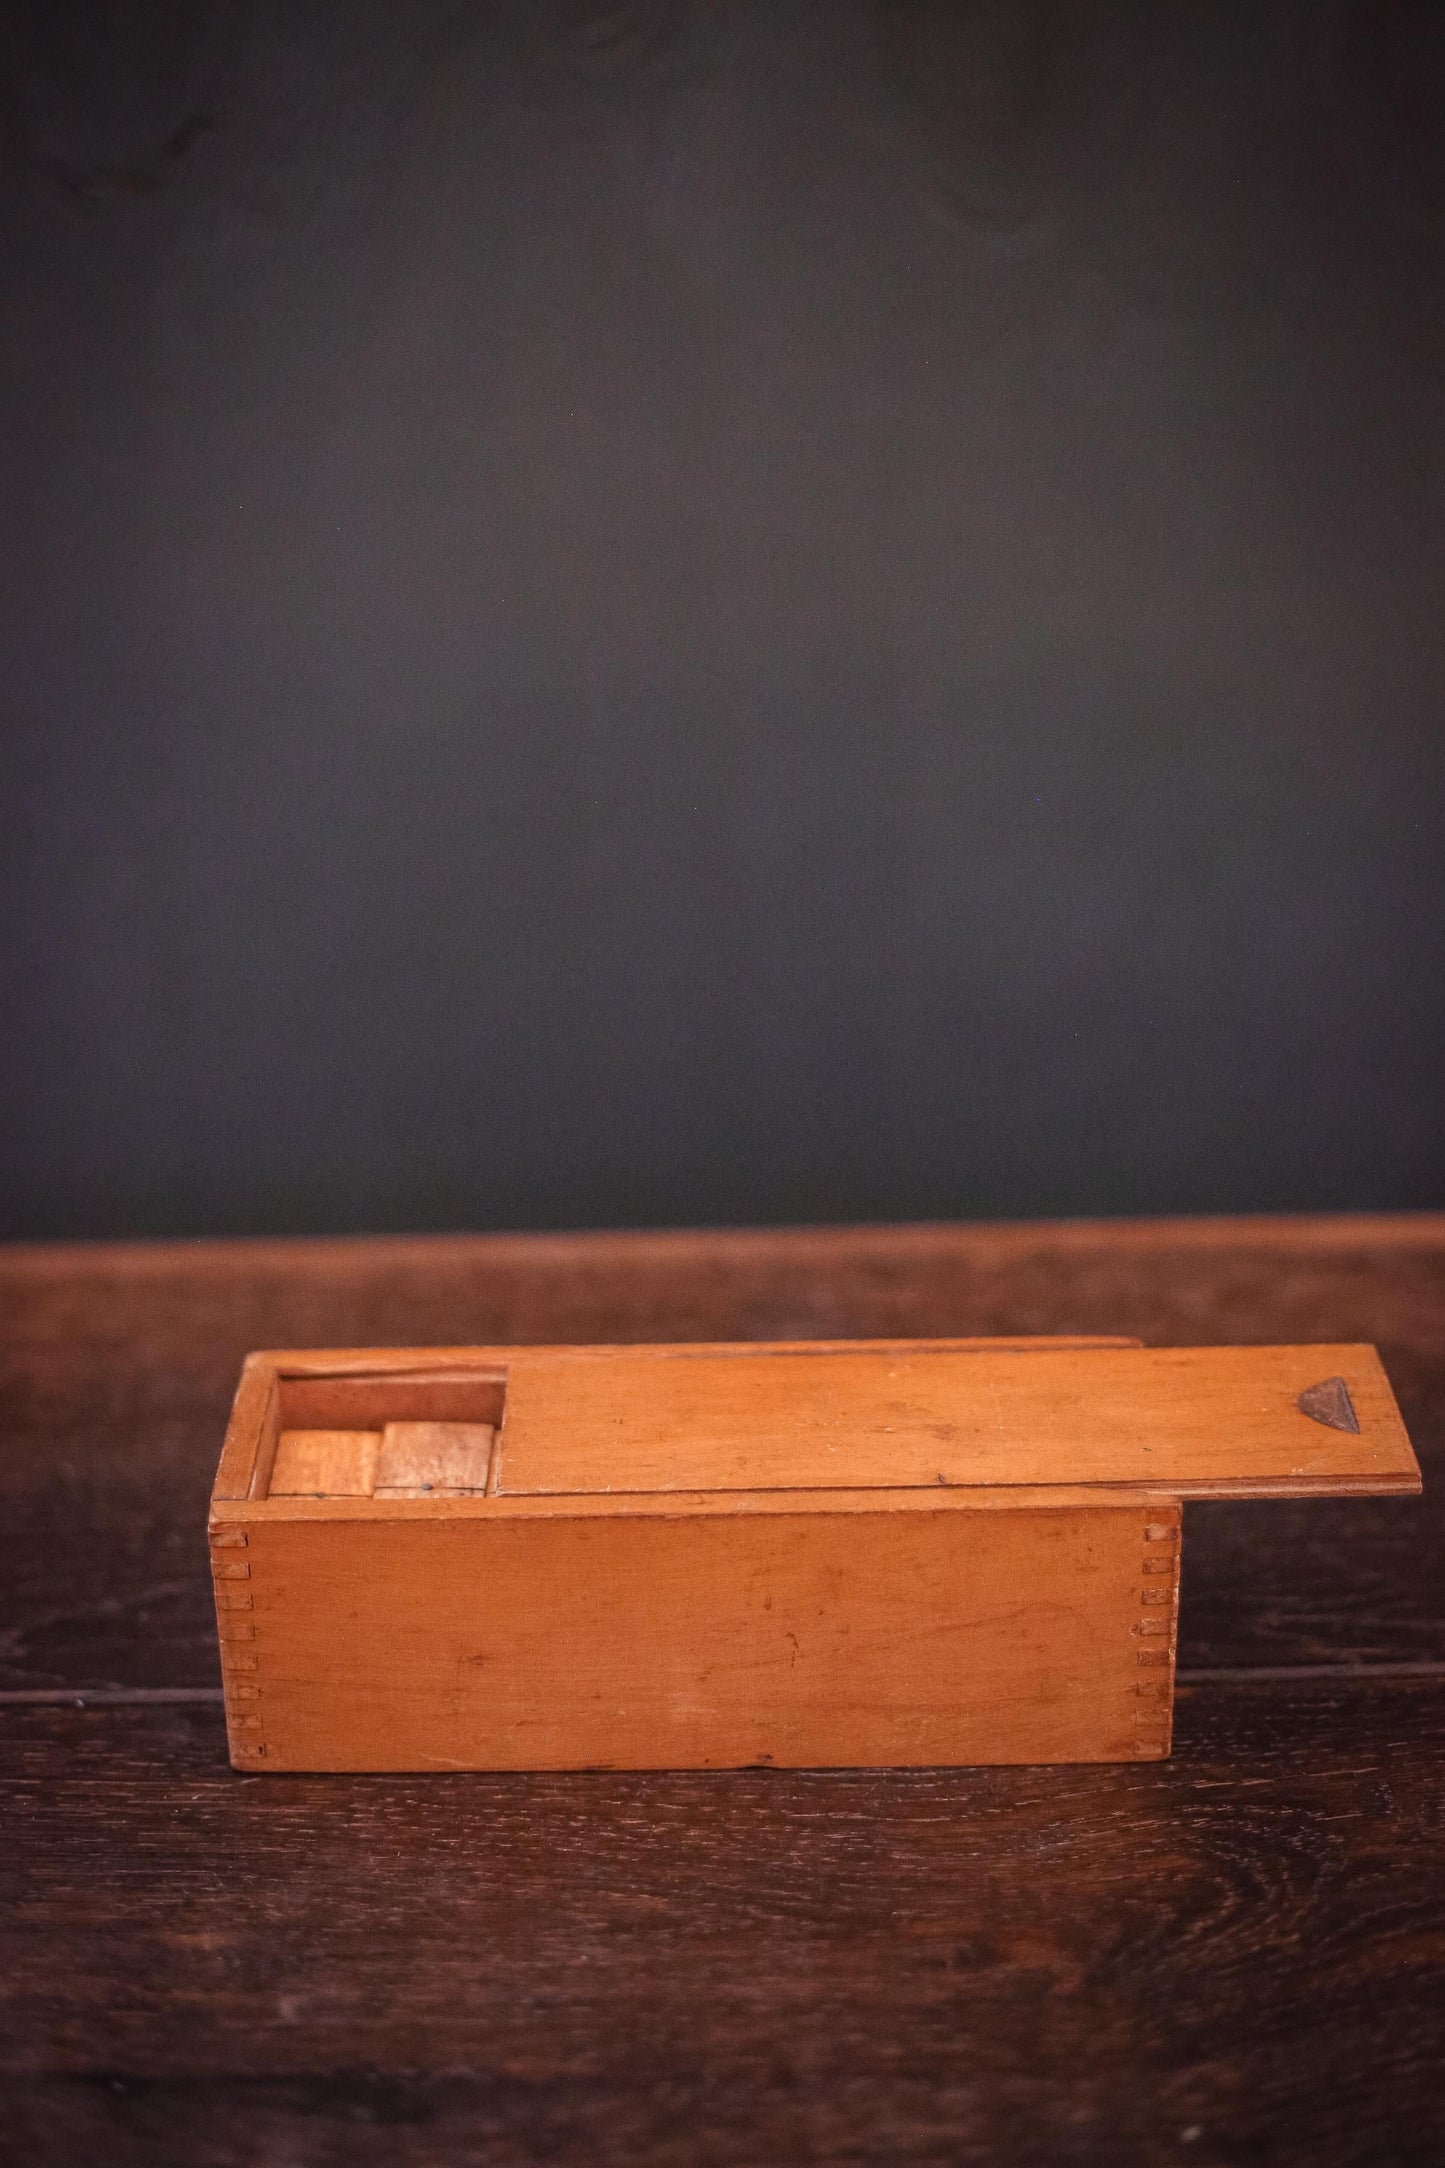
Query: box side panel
(902, 1638)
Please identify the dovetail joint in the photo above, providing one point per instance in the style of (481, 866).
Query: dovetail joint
(235, 1603)
(1158, 1594)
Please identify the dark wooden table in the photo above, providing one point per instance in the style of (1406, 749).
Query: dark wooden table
(1235, 1957)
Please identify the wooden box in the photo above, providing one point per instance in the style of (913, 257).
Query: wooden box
(840, 1554)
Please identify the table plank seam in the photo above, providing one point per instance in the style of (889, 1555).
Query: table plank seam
(108, 1697)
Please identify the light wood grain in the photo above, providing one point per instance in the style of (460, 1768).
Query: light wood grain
(325, 1464)
(1198, 1422)
(420, 1460)
(794, 1638)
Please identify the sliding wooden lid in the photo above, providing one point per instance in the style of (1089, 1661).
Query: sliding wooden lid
(1190, 1422)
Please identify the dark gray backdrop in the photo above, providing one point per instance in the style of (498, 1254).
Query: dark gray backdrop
(720, 612)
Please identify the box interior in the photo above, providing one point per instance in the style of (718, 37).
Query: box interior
(379, 1436)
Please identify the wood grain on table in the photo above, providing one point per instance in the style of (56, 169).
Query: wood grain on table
(1233, 1957)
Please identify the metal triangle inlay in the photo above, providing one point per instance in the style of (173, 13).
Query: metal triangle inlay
(1329, 1402)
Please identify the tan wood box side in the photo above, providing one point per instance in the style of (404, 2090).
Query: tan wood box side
(789, 1637)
